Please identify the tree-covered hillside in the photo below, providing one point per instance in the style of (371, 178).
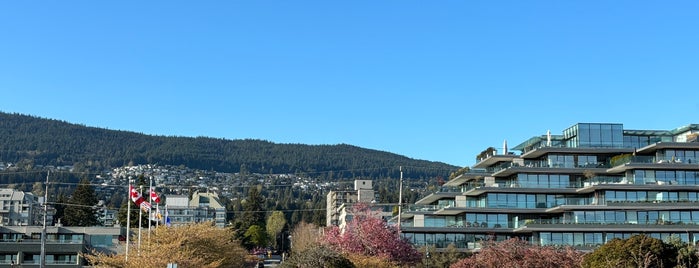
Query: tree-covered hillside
(32, 140)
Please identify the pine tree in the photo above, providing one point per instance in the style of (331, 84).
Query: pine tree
(81, 208)
(253, 209)
(60, 208)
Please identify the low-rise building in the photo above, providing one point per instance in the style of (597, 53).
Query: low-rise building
(20, 246)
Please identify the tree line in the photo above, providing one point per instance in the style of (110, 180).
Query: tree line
(38, 141)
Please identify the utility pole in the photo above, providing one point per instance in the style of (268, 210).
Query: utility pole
(400, 197)
(43, 230)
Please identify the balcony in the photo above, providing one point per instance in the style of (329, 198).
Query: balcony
(629, 225)
(423, 208)
(630, 162)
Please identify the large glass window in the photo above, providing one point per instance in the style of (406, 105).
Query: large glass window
(543, 180)
(596, 135)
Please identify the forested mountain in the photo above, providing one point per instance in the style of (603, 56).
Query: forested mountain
(32, 140)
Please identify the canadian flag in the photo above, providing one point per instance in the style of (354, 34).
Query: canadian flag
(138, 199)
(154, 196)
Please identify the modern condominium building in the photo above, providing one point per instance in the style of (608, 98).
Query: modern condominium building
(583, 187)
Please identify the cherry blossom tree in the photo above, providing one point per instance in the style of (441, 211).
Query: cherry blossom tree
(515, 253)
(369, 235)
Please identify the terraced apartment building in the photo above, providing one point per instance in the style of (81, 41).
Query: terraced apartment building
(582, 188)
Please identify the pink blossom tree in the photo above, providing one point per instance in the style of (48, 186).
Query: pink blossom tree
(369, 235)
(515, 253)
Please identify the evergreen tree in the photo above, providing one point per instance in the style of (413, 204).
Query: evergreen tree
(253, 209)
(60, 208)
(81, 210)
(253, 215)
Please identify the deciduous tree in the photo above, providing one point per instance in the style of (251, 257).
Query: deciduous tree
(636, 251)
(275, 224)
(444, 258)
(305, 235)
(317, 256)
(193, 245)
(369, 235)
(256, 236)
(514, 253)
(687, 255)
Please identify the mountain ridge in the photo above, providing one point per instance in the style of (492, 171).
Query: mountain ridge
(43, 141)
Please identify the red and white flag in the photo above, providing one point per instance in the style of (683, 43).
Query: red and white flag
(154, 196)
(138, 199)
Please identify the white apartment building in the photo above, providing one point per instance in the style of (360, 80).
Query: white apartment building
(200, 208)
(18, 208)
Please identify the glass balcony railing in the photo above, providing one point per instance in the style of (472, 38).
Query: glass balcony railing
(631, 159)
(551, 164)
(421, 208)
(526, 222)
(449, 189)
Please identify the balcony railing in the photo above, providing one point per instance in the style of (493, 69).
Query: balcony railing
(50, 241)
(423, 208)
(656, 160)
(604, 222)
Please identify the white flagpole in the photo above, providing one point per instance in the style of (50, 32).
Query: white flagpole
(157, 213)
(150, 212)
(140, 215)
(128, 219)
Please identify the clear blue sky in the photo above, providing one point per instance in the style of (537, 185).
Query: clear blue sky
(431, 80)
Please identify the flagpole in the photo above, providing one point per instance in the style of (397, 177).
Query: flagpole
(140, 215)
(166, 218)
(157, 213)
(150, 198)
(128, 220)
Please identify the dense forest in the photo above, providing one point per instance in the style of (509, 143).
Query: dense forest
(31, 143)
(38, 141)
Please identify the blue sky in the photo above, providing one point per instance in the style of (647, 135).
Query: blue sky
(431, 80)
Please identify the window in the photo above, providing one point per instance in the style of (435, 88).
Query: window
(31, 258)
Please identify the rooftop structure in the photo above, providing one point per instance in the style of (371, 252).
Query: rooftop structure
(583, 187)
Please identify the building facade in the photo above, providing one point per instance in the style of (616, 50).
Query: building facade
(581, 188)
(20, 246)
(18, 208)
(338, 202)
(200, 208)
